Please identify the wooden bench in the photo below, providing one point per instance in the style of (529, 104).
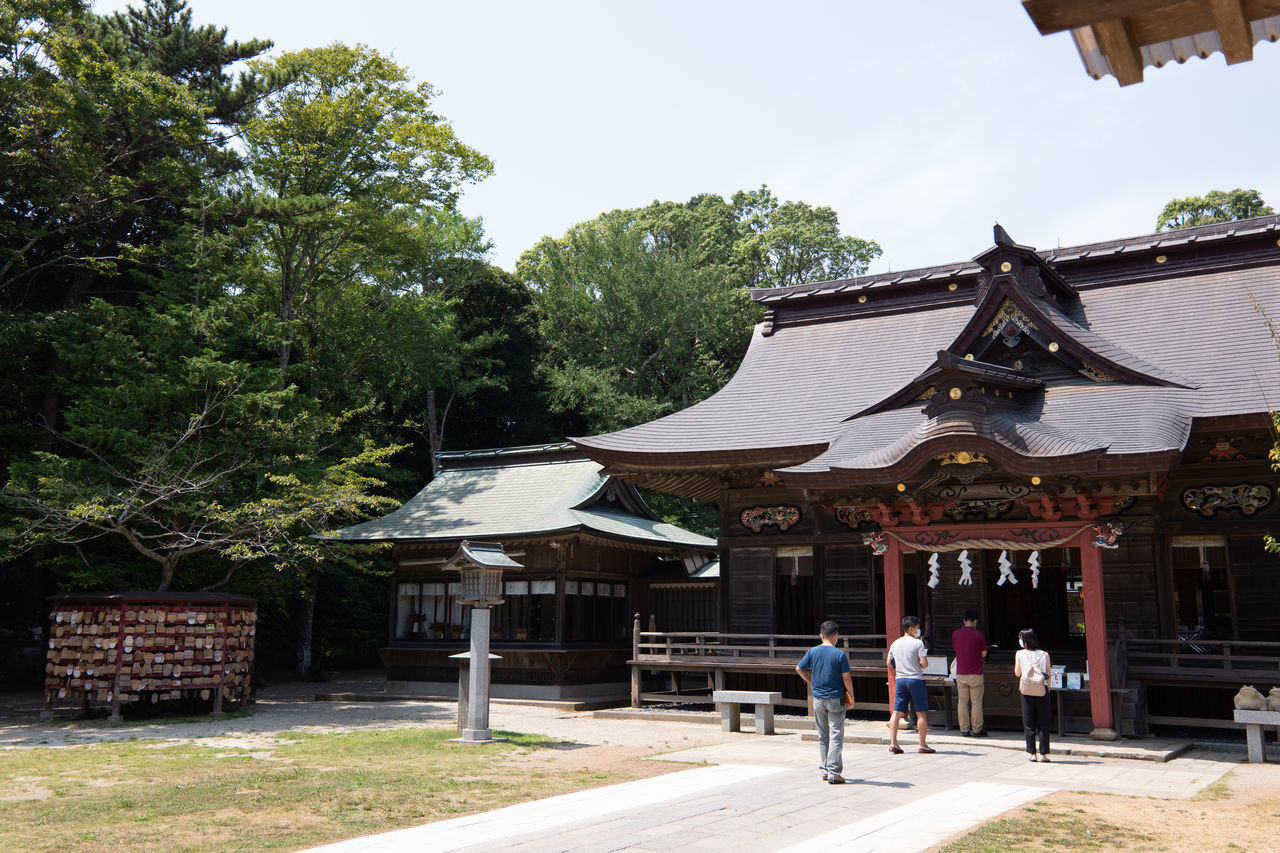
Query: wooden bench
(1255, 738)
(730, 703)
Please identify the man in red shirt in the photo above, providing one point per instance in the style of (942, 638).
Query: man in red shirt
(971, 650)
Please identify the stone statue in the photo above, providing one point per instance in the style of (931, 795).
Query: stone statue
(1249, 699)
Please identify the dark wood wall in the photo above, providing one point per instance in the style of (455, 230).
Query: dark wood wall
(846, 579)
(747, 581)
(1129, 578)
(1256, 575)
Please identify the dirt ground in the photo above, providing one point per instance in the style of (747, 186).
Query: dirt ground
(1245, 816)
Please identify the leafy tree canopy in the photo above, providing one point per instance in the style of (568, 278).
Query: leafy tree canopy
(1215, 206)
(644, 311)
(105, 134)
(180, 451)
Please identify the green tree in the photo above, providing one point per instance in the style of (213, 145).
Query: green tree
(1215, 206)
(179, 451)
(630, 331)
(642, 312)
(786, 243)
(106, 131)
(338, 161)
(510, 408)
(349, 195)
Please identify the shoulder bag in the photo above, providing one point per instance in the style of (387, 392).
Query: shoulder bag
(1032, 682)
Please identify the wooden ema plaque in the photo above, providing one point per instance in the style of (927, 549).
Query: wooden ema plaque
(118, 650)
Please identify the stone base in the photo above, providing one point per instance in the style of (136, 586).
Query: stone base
(539, 692)
(477, 741)
(1103, 734)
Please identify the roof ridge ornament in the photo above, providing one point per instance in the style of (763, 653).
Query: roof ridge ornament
(1024, 267)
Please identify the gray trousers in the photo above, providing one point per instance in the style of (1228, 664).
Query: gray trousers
(828, 716)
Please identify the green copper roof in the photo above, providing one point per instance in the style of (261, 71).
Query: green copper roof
(511, 493)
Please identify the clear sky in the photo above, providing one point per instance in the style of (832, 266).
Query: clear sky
(920, 123)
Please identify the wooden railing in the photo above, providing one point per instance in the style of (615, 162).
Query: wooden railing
(691, 646)
(714, 652)
(1189, 660)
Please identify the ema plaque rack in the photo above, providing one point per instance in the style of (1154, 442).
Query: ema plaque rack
(145, 647)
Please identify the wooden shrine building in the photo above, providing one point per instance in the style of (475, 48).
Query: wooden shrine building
(592, 554)
(1074, 440)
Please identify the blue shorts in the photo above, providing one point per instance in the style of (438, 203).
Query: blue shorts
(913, 689)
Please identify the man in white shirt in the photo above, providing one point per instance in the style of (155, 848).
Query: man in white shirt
(908, 659)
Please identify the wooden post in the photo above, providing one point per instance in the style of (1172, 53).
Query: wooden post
(635, 665)
(894, 603)
(118, 657)
(1095, 634)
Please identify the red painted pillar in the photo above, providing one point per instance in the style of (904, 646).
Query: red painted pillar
(1095, 635)
(893, 601)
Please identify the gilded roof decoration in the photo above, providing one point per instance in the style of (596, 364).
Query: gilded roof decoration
(927, 393)
(1097, 375)
(1005, 314)
(961, 457)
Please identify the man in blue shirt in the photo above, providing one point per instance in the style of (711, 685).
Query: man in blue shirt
(825, 668)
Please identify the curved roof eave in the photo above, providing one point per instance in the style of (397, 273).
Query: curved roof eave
(694, 543)
(719, 459)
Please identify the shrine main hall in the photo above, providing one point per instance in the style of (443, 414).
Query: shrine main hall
(1074, 440)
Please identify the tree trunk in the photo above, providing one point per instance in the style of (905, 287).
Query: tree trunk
(305, 668)
(433, 430)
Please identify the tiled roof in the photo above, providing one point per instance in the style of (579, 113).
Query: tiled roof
(1186, 332)
(507, 494)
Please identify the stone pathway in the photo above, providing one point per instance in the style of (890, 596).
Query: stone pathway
(761, 794)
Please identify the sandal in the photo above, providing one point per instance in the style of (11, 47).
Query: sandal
(896, 750)
(1045, 759)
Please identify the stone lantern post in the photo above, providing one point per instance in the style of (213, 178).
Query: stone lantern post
(481, 565)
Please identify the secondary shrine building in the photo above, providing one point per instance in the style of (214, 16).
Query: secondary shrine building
(1074, 440)
(591, 553)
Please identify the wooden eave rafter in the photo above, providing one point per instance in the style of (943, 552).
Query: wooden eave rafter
(1122, 28)
(1115, 37)
(1232, 24)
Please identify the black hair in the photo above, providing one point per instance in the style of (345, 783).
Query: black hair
(971, 616)
(829, 628)
(1029, 640)
(910, 622)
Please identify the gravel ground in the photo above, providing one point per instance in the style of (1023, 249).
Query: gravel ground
(290, 706)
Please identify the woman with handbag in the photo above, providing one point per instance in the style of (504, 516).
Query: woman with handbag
(1031, 665)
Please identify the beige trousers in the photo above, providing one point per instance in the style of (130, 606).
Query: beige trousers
(969, 689)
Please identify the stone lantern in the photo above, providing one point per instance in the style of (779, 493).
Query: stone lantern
(481, 565)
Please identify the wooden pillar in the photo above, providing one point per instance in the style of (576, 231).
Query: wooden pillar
(1095, 633)
(894, 603)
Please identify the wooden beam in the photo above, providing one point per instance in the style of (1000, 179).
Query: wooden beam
(1054, 16)
(1115, 37)
(1233, 30)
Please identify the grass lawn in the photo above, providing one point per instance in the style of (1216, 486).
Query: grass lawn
(1041, 828)
(294, 790)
